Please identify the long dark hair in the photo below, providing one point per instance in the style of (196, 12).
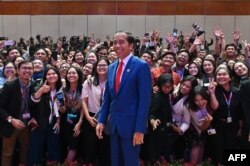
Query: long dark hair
(163, 79)
(198, 90)
(80, 79)
(213, 64)
(95, 74)
(58, 82)
(194, 83)
(199, 74)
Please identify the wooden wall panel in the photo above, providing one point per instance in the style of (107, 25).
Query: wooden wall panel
(131, 8)
(160, 8)
(98, 8)
(15, 8)
(67, 8)
(47, 8)
(122, 7)
(228, 8)
(190, 8)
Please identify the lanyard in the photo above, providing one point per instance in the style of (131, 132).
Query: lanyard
(72, 95)
(52, 101)
(25, 98)
(228, 102)
(170, 100)
(102, 86)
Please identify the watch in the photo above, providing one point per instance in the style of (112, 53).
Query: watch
(9, 119)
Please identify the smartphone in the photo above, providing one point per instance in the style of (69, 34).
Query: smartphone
(175, 32)
(54, 55)
(9, 42)
(60, 98)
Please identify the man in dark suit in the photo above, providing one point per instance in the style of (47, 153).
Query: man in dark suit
(126, 103)
(15, 114)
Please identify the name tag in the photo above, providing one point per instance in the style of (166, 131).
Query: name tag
(211, 131)
(229, 119)
(26, 116)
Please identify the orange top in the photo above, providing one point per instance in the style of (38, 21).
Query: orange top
(156, 72)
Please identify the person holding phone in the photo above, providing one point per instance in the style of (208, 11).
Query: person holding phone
(46, 132)
(16, 114)
(72, 112)
(199, 107)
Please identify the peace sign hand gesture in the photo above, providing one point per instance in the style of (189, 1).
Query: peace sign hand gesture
(212, 86)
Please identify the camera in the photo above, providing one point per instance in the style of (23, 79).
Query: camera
(137, 46)
(38, 37)
(211, 131)
(198, 29)
(60, 98)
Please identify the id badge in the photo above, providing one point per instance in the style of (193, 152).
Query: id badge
(69, 121)
(26, 116)
(211, 131)
(229, 119)
(69, 118)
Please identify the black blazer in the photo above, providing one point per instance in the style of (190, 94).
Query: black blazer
(161, 109)
(245, 102)
(10, 105)
(42, 110)
(221, 114)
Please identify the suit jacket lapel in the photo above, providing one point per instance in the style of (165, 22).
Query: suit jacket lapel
(126, 73)
(18, 90)
(113, 75)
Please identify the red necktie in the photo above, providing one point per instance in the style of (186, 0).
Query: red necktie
(118, 77)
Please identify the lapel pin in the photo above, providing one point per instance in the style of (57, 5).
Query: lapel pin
(128, 70)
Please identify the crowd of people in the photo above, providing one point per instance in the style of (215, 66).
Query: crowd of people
(51, 94)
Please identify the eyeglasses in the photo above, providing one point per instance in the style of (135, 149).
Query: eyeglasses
(26, 68)
(184, 56)
(9, 68)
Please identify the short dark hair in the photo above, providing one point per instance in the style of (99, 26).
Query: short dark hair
(149, 52)
(169, 53)
(102, 47)
(230, 45)
(13, 48)
(130, 37)
(186, 51)
(23, 62)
